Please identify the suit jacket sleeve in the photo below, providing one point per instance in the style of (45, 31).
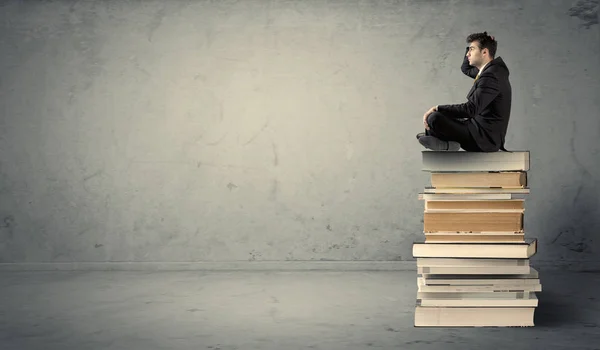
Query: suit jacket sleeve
(485, 92)
(468, 69)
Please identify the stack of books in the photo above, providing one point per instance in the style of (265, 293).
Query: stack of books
(473, 265)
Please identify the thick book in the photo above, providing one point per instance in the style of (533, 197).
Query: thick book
(473, 222)
(486, 179)
(473, 238)
(427, 316)
(484, 205)
(461, 161)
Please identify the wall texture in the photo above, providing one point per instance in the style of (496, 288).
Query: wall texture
(274, 130)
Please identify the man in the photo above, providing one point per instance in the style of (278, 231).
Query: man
(480, 124)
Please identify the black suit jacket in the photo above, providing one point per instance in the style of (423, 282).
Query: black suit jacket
(488, 104)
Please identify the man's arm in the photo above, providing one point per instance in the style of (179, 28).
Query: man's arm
(468, 69)
(486, 91)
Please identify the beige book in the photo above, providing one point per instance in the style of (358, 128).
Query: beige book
(475, 233)
(472, 222)
(476, 250)
(483, 205)
(474, 238)
(516, 179)
(470, 262)
(473, 210)
(474, 316)
(483, 299)
(460, 161)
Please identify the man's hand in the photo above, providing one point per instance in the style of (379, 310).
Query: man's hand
(431, 110)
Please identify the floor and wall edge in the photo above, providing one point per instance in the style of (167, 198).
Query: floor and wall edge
(576, 266)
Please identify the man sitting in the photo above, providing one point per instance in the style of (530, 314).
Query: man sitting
(480, 124)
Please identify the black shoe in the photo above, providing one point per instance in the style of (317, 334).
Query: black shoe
(421, 134)
(435, 144)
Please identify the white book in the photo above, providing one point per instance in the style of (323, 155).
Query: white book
(480, 280)
(436, 196)
(474, 270)
(509, 250)
(422, 286)
(475, 190)
(482, 299)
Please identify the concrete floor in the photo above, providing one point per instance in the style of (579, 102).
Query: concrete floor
(268, 310)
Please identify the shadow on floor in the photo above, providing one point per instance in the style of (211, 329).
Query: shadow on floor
(565, 301)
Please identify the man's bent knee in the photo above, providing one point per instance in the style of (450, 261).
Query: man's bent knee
(432, 118)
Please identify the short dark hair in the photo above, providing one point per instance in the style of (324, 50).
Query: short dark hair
(485, 42)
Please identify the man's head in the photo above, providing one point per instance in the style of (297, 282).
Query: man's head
(482, 49)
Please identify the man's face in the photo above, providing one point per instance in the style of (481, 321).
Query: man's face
(474, 54)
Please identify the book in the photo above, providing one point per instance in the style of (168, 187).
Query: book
(460, 161)
(487, 205)
(512, 179)
(477, 299)
(462, 238)
(474, 270)
(470, 262)
(510, 250)
(436, 196)
(473, 221)
(481, 280)
(427, 316)
(479, 190)
(495, 288)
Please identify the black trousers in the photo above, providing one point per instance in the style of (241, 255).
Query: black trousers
(449, 129)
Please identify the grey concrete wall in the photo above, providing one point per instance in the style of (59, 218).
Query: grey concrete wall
(274, 130)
